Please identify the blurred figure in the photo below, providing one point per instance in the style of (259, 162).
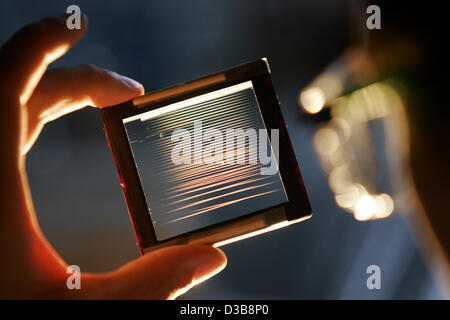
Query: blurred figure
(409, 47)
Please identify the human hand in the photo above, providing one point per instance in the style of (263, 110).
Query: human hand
(30, 97)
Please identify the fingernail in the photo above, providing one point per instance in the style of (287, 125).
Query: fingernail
(132, 83)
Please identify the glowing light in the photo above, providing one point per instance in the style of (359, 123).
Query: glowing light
(189, 102)
(34, 78)
(373, 207)
(261, 231)
(346, 139)
(365, 208)
(331, 83)
(385, 206)
(326, 141)
(323, 89)
(312, 99)
(32, 82)
(57, 53)
(369, 103)
(340, 178)
(344, 128)
(181, 291)
(156, 96)
(350, 197)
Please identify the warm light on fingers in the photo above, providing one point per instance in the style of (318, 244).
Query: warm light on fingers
(349, 197)
(36, 76)
(56, 53)
(181, 291)
(59, 109)
(385, 206)
(62, 108)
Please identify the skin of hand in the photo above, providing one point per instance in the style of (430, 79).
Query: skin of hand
(31, 96)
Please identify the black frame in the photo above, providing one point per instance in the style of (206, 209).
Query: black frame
(258, 72)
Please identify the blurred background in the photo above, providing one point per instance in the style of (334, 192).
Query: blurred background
(76, 190)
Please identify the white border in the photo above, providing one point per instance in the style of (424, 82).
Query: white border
(189, 102)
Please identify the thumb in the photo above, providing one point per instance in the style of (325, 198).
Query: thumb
(163, 274)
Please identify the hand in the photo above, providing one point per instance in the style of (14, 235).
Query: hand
(31, 96)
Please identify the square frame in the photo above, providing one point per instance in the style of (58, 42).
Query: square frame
(296, 209)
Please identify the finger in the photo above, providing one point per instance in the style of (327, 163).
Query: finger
(64, 90)
(165, 273)
(25, 57)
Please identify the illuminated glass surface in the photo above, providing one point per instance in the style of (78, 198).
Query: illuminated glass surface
(186, 197)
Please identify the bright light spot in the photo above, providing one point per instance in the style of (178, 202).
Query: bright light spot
(272, 227)
(32, 82)
(326, 141)
(181, 291)
(312, 99)
(365, 208)
(56, 53)
(36, 76)
(385, 206)
(348, 199)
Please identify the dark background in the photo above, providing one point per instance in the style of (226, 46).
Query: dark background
(75, 186)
